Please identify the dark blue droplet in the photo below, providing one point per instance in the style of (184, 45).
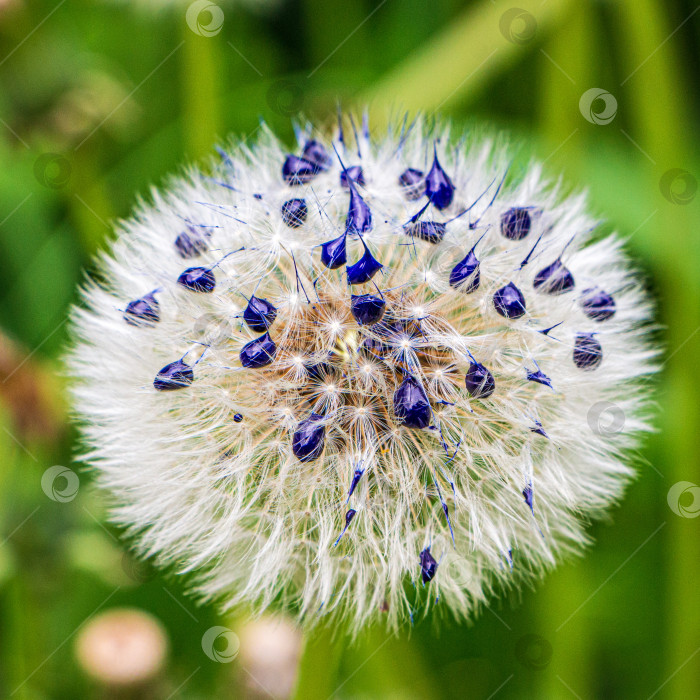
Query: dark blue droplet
(359, 219)
(259, 352)
(465, 275)
(367, 308)
(294, 212)
(479, 381)
(411, 404)
(315, 153)
(190, 244)
(428, 565)
(237, 417)
(143, 311)
(355, 174)
(528, 496)
(355, 481)
(348, 519)
(539, 429)
(412, 183)
(321, 371)
(260, 314)
(431, 231)
(297, 171)
(307, 441)
(334, 253)
(257, 195)
(372, 347)
(516, 223)
(364, 269)
(538, 376)
(588, 352)
(176, 375)
(509, 301)
(197, 279)
(438, 186)
(597, 304)
(554, 279)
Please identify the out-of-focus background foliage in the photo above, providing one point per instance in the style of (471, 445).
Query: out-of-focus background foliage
(101, 98)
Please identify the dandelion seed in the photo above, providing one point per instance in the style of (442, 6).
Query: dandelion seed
(414, 399)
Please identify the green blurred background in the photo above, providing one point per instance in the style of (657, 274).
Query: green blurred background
(101, 99)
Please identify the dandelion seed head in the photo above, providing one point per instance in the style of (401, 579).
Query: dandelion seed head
(364, 356)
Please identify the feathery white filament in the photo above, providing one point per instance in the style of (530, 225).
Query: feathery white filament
(206, 477)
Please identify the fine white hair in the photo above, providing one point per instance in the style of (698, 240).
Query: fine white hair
(457, 444)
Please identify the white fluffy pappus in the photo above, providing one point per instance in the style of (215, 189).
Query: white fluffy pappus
(362, 379)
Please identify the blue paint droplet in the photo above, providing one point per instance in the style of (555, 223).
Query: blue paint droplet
(359, 219)
(176, 375)
(539, 429)
(190, 243)
(509, 301)
(143, 312)
(321, 371)
(364, 269)
(413, 183)
(257, 195)
(294, 212)
(260, 314)
(297, 171)
(355, 481)
(465, 275)
(516, 223)
(411, 404)
(334, 253)
(355, 174)
(588, 352)
(367, 309)
(428, 565)
(538, 376)
(315, 153)
(348, 519)
(197, 279)
(237, 417)
(597, 304)
(430, 231)
(554, 279)
(372, 347)
(259, 352)
(438, 186)
(308, 439)
(528, 496)
(479, 381)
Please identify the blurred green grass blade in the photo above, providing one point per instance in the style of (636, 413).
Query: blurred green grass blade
(660, 116)
(462, 59)
(201, 71)
(318, 668)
